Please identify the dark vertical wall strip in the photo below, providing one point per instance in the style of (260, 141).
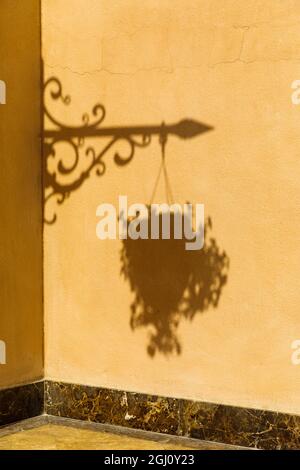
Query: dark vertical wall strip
(21, 261)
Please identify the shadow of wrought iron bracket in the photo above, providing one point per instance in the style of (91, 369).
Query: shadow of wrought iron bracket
(63, 175)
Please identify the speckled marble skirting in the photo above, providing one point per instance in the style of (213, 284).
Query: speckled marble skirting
(205, 421)
(22, 402)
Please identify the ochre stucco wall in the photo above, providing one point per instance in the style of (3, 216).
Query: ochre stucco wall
(21, 317)
(229, 64)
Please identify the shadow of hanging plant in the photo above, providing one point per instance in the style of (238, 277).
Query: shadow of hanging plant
(171, 284)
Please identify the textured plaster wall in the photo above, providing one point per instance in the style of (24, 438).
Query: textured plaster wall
(229, 64)
(21, 310)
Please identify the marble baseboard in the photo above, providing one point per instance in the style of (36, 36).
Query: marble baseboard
(106, 406)
(247, 427)
(206, 421)
(21, 402)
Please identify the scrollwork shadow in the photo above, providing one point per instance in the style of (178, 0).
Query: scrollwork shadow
(65, 177)
(65, 172)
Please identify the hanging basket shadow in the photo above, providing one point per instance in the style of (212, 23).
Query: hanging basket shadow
(170, 283)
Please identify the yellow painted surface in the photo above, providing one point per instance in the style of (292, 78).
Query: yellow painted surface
(21, 311)
(229, 64)
(53, 437)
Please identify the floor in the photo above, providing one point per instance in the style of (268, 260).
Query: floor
(55, 437)
(66, 435)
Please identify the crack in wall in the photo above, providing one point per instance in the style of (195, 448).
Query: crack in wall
(171, 68)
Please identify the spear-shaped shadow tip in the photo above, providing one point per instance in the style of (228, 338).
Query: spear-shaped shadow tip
(188, 128)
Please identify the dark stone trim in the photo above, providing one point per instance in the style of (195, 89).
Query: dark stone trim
(100, 405)
(206, 421)
(21, 402)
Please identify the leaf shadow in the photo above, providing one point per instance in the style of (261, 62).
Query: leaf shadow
(171, 284)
